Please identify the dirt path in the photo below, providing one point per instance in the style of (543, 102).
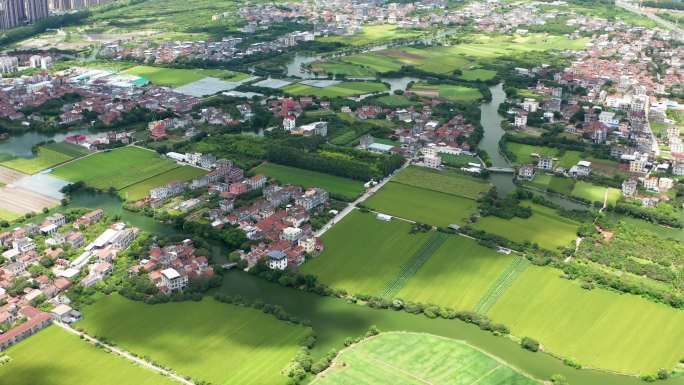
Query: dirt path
(126, 355)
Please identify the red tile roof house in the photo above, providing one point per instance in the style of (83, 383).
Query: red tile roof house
(37, 320)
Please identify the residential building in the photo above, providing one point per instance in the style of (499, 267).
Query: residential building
(545, 163)
(172, 280)
(312, 198)
(629, 187)
(526, 172)
(277, 260)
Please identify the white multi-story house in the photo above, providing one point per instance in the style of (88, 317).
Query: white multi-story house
(312, 198)
(545, 163)
(277, 260)
(629, 187)
(432, 161)
(173, 281)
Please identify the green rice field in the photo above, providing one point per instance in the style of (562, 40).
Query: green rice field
(343, 89)
(119, 168)
(55, 356)
(341, 68)
(142, 189)
(450, 92)
(375, 34)
(415, 358)
(545, 228)
(422, 205)
(457, 275)
(598, 328)
(48, 156)
(443, 181)
(362, 254)
(595, 193)
(478, 75)
(445, 60)
(347, 188)
(207, 340)
(176, 77)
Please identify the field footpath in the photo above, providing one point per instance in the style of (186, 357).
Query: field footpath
(128, 356)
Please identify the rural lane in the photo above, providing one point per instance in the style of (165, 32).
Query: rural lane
(350, 207)
(125, 354)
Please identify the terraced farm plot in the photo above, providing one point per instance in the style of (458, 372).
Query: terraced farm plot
(594, 193)
(414, 358)
(422, 205)
(348, 188)
(457, 274)
(362, 254)
(47, 156)
(54, 356)
(206, 340)
(119, 168)
(545, 228)
(443, 181)
(450, 92)
(596, 327)
(180, 174)
(343, 89)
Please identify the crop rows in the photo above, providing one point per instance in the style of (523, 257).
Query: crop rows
(410, 267)
(501, 284)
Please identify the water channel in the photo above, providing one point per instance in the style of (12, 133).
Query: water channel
(491, 122)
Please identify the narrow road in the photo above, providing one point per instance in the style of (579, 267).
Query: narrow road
(350, 207)
(125, 354)
(679, 32)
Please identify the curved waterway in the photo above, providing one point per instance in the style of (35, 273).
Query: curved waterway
(491, 123)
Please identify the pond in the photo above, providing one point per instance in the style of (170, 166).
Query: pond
(20, 145)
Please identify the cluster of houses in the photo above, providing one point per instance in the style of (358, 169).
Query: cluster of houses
(285, 237)
(224, 179)
(172, 267)
(109, 100)
(18, 314)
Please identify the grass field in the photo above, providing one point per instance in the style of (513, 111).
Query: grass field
(348, 188)
(207, 340)
(48, 156)
(458, 160)
(415, 358)
(54, 356)
(422, 205)
(343, 89)
(523, 154)
(596, 327)
(118, 168)
(478, 74)
(595, 193)
(362, 254)
(444, 60)
(450, 92)
(176, 77)
(395, 101)
(443, 181)
(142, 189)
(457, 275)
(374, 34)
(7, 215)
(545, 228)
(341, 68)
